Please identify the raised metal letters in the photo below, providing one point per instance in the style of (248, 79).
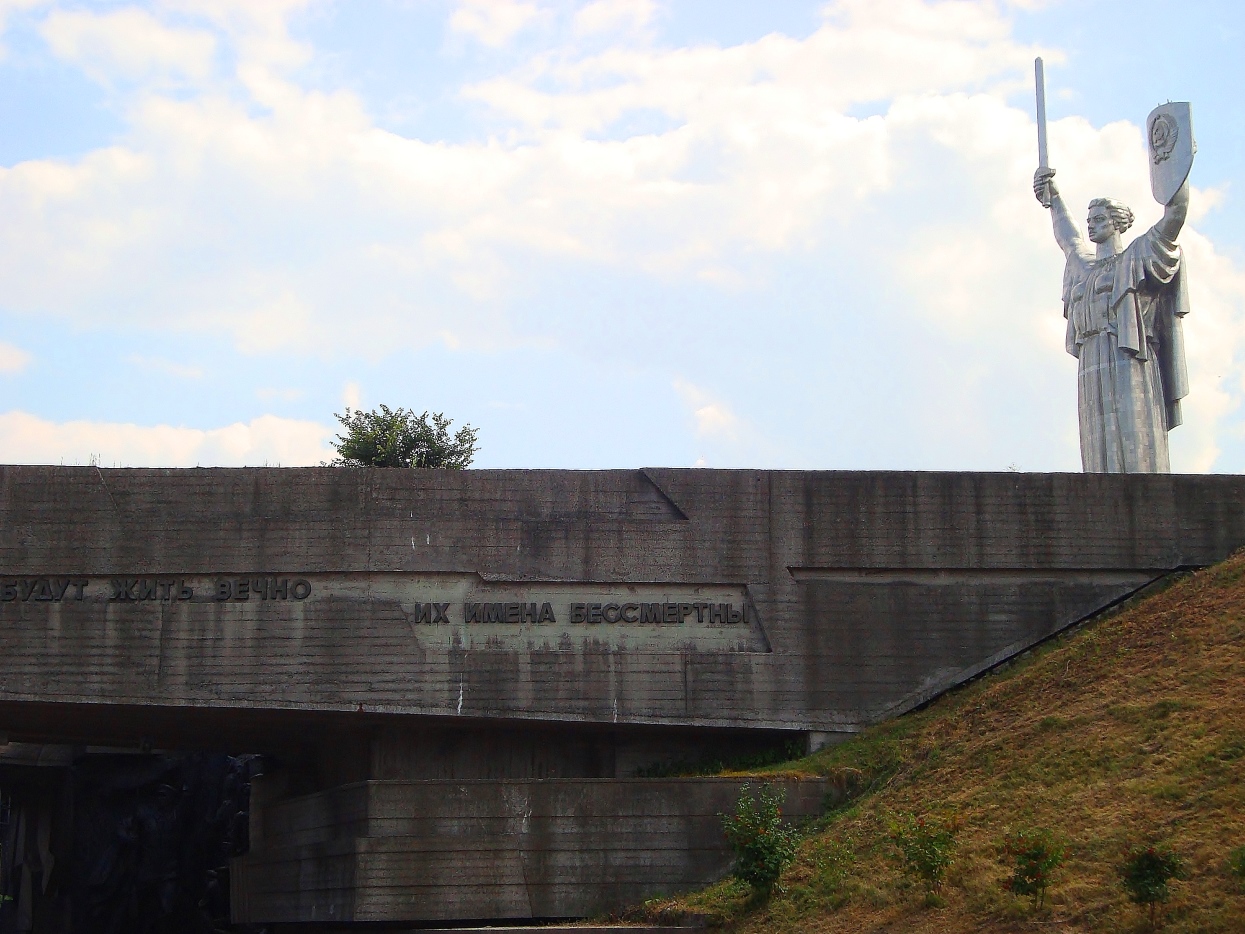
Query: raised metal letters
(448, 606)
(40, 589)
(153, 589)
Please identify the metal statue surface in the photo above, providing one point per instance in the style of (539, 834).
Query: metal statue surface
(1124, 305)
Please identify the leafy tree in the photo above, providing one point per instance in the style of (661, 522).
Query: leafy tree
(400, 438)
(764, 846)
(1146, 872)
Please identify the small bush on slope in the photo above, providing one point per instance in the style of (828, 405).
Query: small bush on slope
(1033, 855)
(764, 845)
(926, 847)
(1125, 732)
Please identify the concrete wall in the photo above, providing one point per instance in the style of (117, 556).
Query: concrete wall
(437, 851)
(427, 657)
(865, 593)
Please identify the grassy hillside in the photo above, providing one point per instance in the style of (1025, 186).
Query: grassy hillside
(1131, 730)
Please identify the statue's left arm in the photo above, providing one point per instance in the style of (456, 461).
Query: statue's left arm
(1174, 214)
(1162, 266)
(1171, 334)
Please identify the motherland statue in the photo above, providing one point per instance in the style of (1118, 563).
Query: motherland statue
(1124, 304)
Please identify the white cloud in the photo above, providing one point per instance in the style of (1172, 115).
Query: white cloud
(129, 43)
(285, 217)
(305, 209)
(1215, 349)
(27, 439)
(258, 35)
(494, 22)
(611, 16)
(12, 359)
(712, 417)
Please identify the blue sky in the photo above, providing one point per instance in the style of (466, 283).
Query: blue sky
(608, 234)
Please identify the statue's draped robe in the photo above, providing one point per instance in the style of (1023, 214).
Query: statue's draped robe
(1124, 327)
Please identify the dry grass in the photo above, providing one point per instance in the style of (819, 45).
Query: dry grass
(1131, 730)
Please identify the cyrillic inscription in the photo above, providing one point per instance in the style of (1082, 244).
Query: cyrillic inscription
(517, 613)
(42, 589)
(249, 588)
(461, 609)
(654, 614)
(262, 588)
(151, 589)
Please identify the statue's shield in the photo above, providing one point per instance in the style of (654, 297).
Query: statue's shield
(1169, 138)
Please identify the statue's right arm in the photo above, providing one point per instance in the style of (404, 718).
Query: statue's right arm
(1048, 196)
(1066, 234)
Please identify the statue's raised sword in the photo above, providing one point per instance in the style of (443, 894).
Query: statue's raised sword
(1039, 75)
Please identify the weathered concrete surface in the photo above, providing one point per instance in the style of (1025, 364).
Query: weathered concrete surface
(869, 592)
(324, 616)
(433, 851)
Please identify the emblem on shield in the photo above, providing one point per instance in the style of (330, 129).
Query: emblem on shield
(1163, 136)
(1170, 135)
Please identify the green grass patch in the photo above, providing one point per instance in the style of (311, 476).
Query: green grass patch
(1122, 732)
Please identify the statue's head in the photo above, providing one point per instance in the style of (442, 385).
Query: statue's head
(1108, 217)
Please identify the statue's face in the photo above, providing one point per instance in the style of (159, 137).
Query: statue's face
(1100, 227)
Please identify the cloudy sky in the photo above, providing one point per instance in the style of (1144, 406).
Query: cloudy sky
(614, 233)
